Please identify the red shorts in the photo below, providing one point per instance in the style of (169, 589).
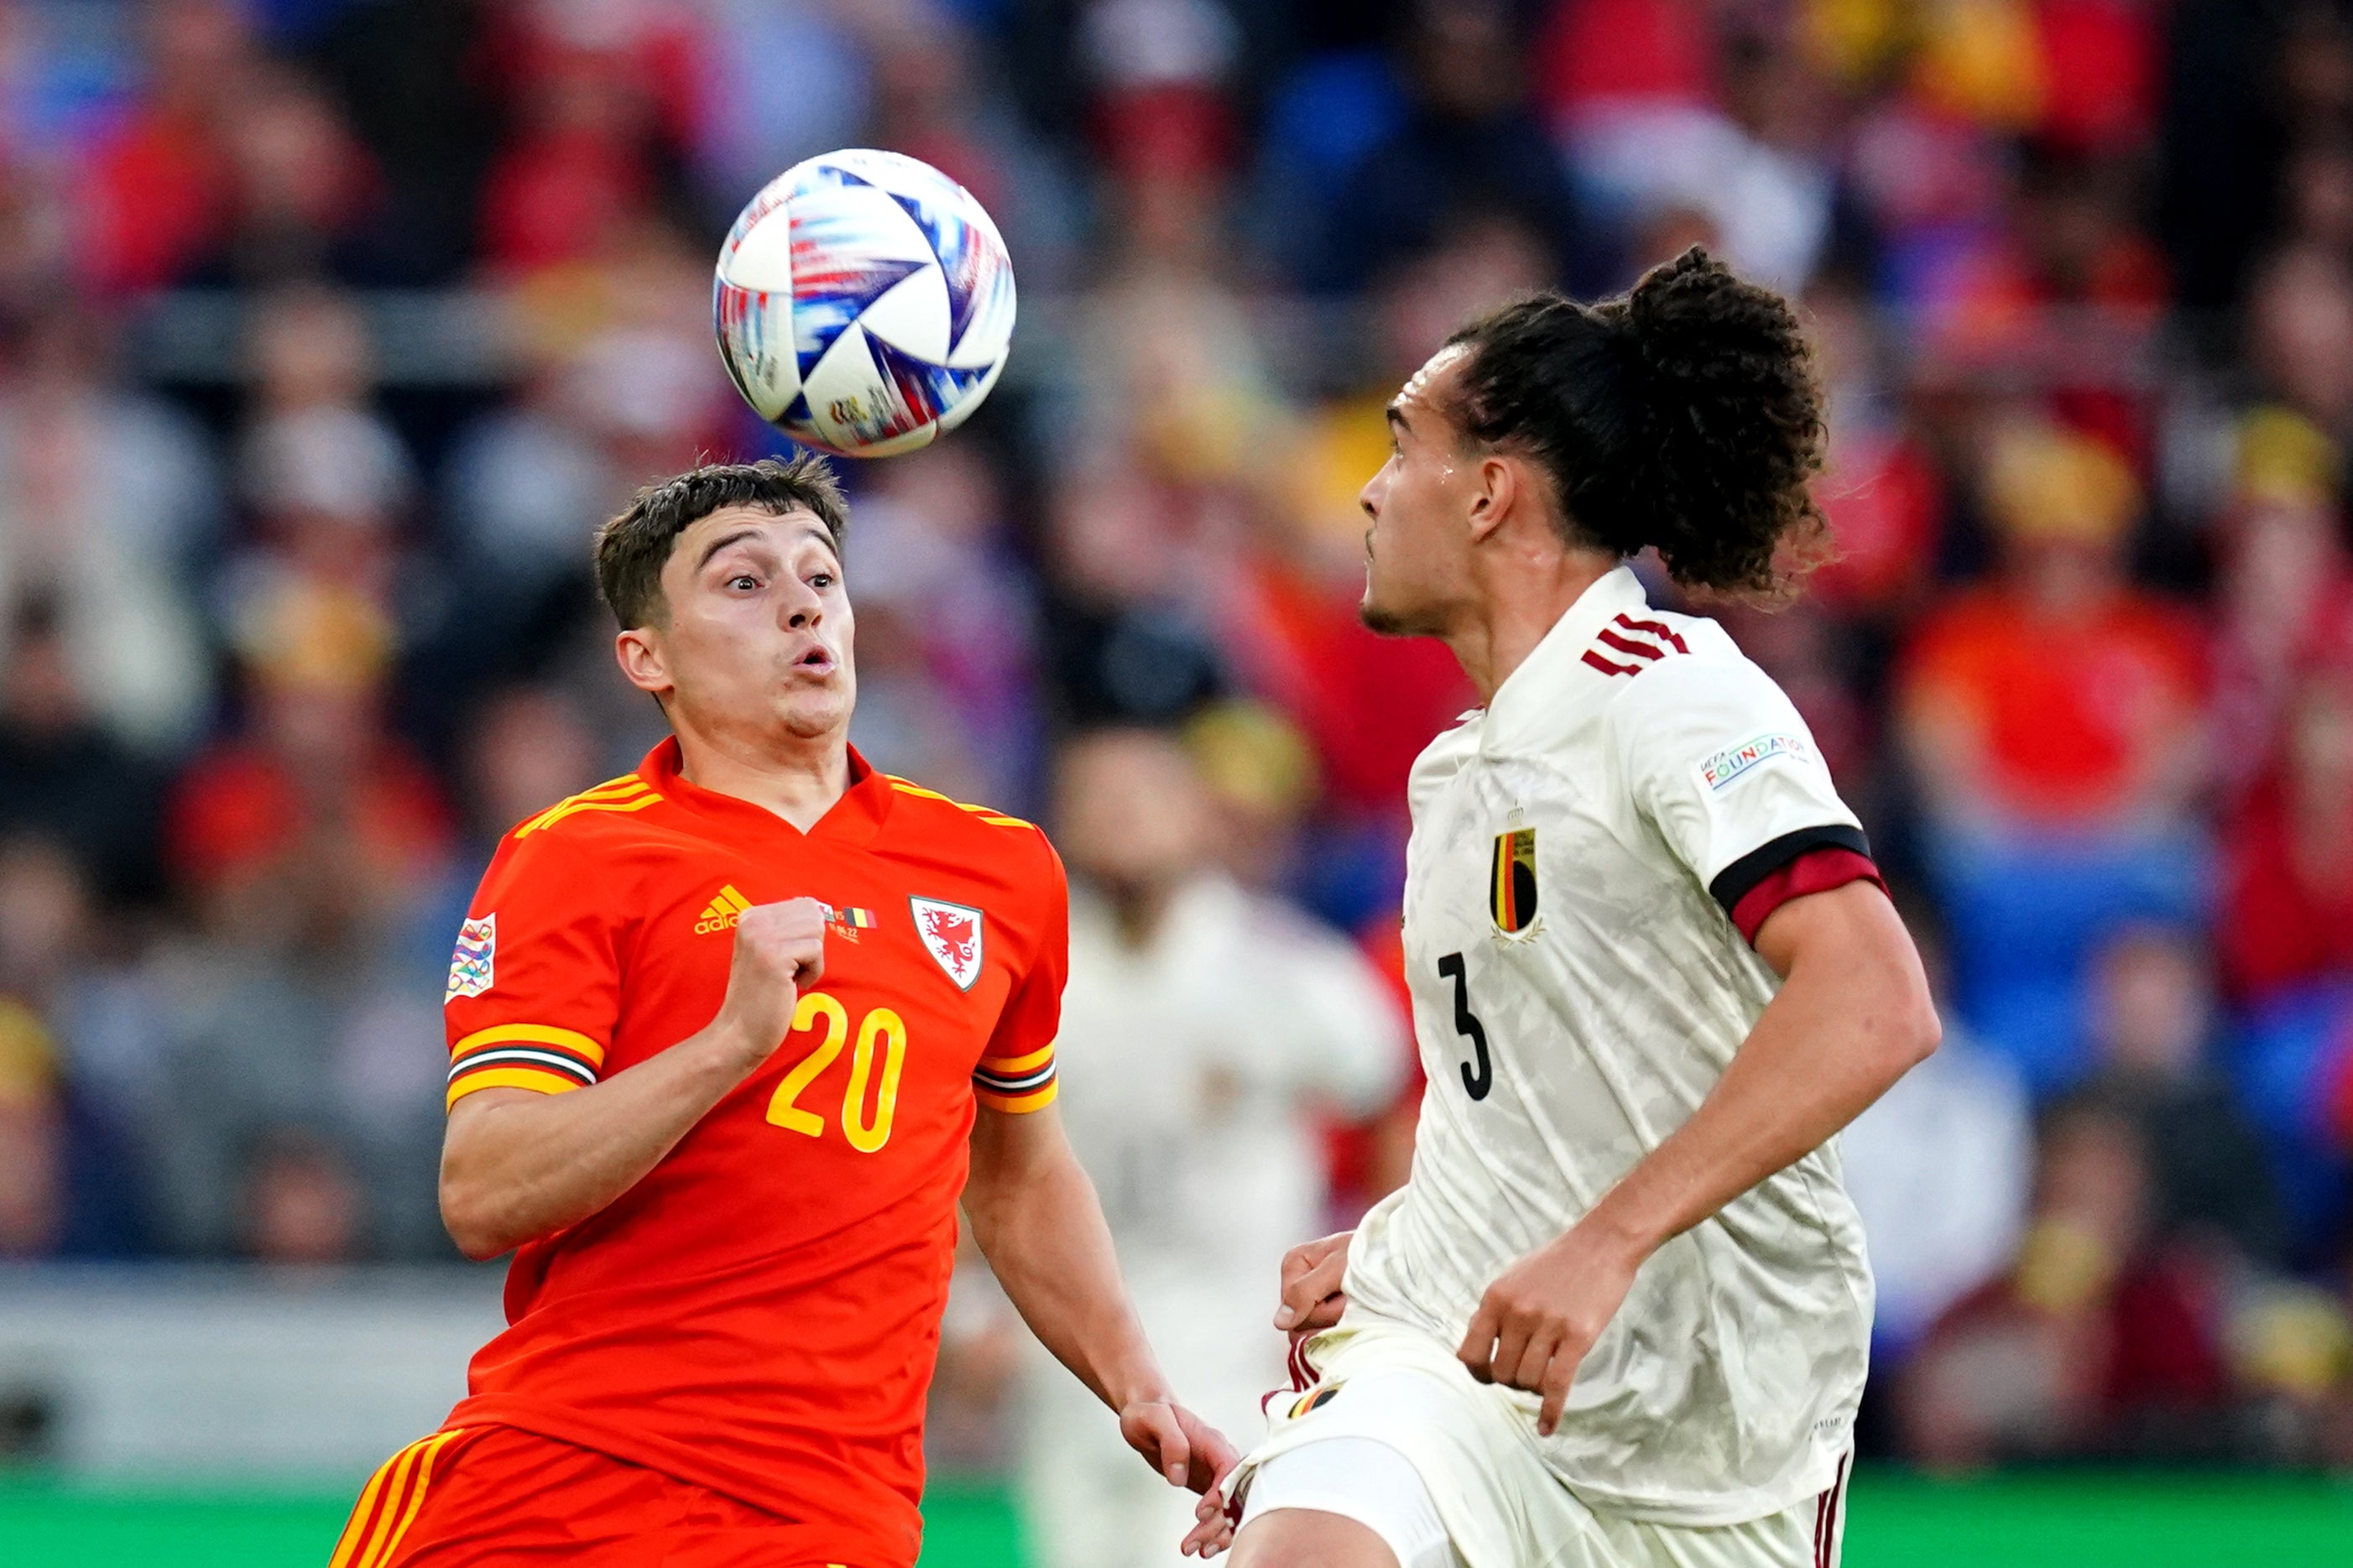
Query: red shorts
(485, 1497)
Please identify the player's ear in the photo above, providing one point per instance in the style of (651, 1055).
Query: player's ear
(639, 651)
(1494, 491)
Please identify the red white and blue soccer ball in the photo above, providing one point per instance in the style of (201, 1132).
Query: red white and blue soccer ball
(864, 303)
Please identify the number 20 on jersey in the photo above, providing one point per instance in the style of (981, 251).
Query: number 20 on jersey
(881, 1033)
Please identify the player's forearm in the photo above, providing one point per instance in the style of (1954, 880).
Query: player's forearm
(517, 1165)
(1041, 1226)
(1853, 1016)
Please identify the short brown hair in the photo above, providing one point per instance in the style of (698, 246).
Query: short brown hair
(632, 549)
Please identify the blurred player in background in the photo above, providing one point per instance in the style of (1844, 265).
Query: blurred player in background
(1204, 1030)
(728, 1035)
(1620, 1312)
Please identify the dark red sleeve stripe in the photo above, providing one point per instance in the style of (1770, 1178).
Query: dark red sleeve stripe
(1732, 884)
(1659, 629)
(1813, 871)
(1627, 644)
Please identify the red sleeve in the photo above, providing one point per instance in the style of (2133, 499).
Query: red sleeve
(1815, 870)
(1016, 1073)
(535, 983)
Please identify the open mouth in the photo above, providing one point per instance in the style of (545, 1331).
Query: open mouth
(818, 660)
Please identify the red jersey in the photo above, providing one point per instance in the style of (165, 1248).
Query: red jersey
(759, 1315)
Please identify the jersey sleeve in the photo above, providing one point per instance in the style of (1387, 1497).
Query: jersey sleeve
(534, 986)
(1016, 1074)
(1716, 757)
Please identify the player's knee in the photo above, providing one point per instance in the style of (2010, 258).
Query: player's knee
(1309, 1538)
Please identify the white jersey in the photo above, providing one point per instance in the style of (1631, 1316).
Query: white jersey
(1579, 988)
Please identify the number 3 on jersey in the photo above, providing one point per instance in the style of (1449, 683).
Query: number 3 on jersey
(1478, 1080)
(880, 1026)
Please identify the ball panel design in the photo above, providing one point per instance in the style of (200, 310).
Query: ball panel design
(853, 405)
(759, 254)
(864, 302)
(972, 397)
(756, 343)
(851, 245)
(912, 315)
(771, 196)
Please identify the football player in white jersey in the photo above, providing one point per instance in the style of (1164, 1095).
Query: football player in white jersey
(1619, 1314)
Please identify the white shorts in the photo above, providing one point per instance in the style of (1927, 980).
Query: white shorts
(1448, 1479)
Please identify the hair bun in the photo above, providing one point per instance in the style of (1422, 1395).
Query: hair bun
(1730, 421)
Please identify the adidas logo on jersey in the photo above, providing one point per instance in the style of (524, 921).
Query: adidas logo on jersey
(1627, 645)
(724, 911)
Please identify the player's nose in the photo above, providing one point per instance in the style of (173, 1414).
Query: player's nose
(802, 606)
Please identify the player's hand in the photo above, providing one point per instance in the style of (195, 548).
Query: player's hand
(1542, 1314)
(1312, 1273)
(1213, 1525)
(1178, 1444)
(779, 950)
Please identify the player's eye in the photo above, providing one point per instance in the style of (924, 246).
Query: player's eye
(743, 580)
(821, 580)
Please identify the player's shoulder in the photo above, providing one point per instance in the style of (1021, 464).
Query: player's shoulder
(1696, 663)
(599, 827)
(1706, 696)
(978, 830)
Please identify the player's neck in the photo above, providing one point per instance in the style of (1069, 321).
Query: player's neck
(1519, 601)
(798, 778)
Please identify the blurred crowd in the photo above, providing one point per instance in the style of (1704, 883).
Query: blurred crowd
(293, 632)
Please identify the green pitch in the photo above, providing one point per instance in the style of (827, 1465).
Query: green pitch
(1898, 1521)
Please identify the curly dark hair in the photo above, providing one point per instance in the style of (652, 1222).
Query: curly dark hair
(632, 549)
(1684, 416)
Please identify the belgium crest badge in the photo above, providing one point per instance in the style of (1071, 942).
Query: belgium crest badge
(1512, 881)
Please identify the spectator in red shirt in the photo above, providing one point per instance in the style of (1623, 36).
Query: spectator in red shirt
(2058, 696)
(2287, 882)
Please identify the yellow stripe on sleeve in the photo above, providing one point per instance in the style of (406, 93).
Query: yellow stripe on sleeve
(572, 807)
(361, 1513)
(396, 1497)
(1008, 1065)
(531, 1035)
(1019, 1104)
(994, 818)
(433, 1448)
(540, 1081)
(621, 788)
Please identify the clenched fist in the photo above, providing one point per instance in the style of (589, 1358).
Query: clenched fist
(779, 950)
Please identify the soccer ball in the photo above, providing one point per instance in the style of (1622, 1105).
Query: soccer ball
(864, 303)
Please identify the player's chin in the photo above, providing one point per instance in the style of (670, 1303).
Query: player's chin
(809, 706)
(1383, 618)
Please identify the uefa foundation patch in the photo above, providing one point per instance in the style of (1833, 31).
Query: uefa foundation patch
(1720, 771)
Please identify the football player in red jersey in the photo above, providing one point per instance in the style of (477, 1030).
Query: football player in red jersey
(731, 1036)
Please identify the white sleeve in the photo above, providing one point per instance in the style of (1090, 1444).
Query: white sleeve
(1716, 757)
